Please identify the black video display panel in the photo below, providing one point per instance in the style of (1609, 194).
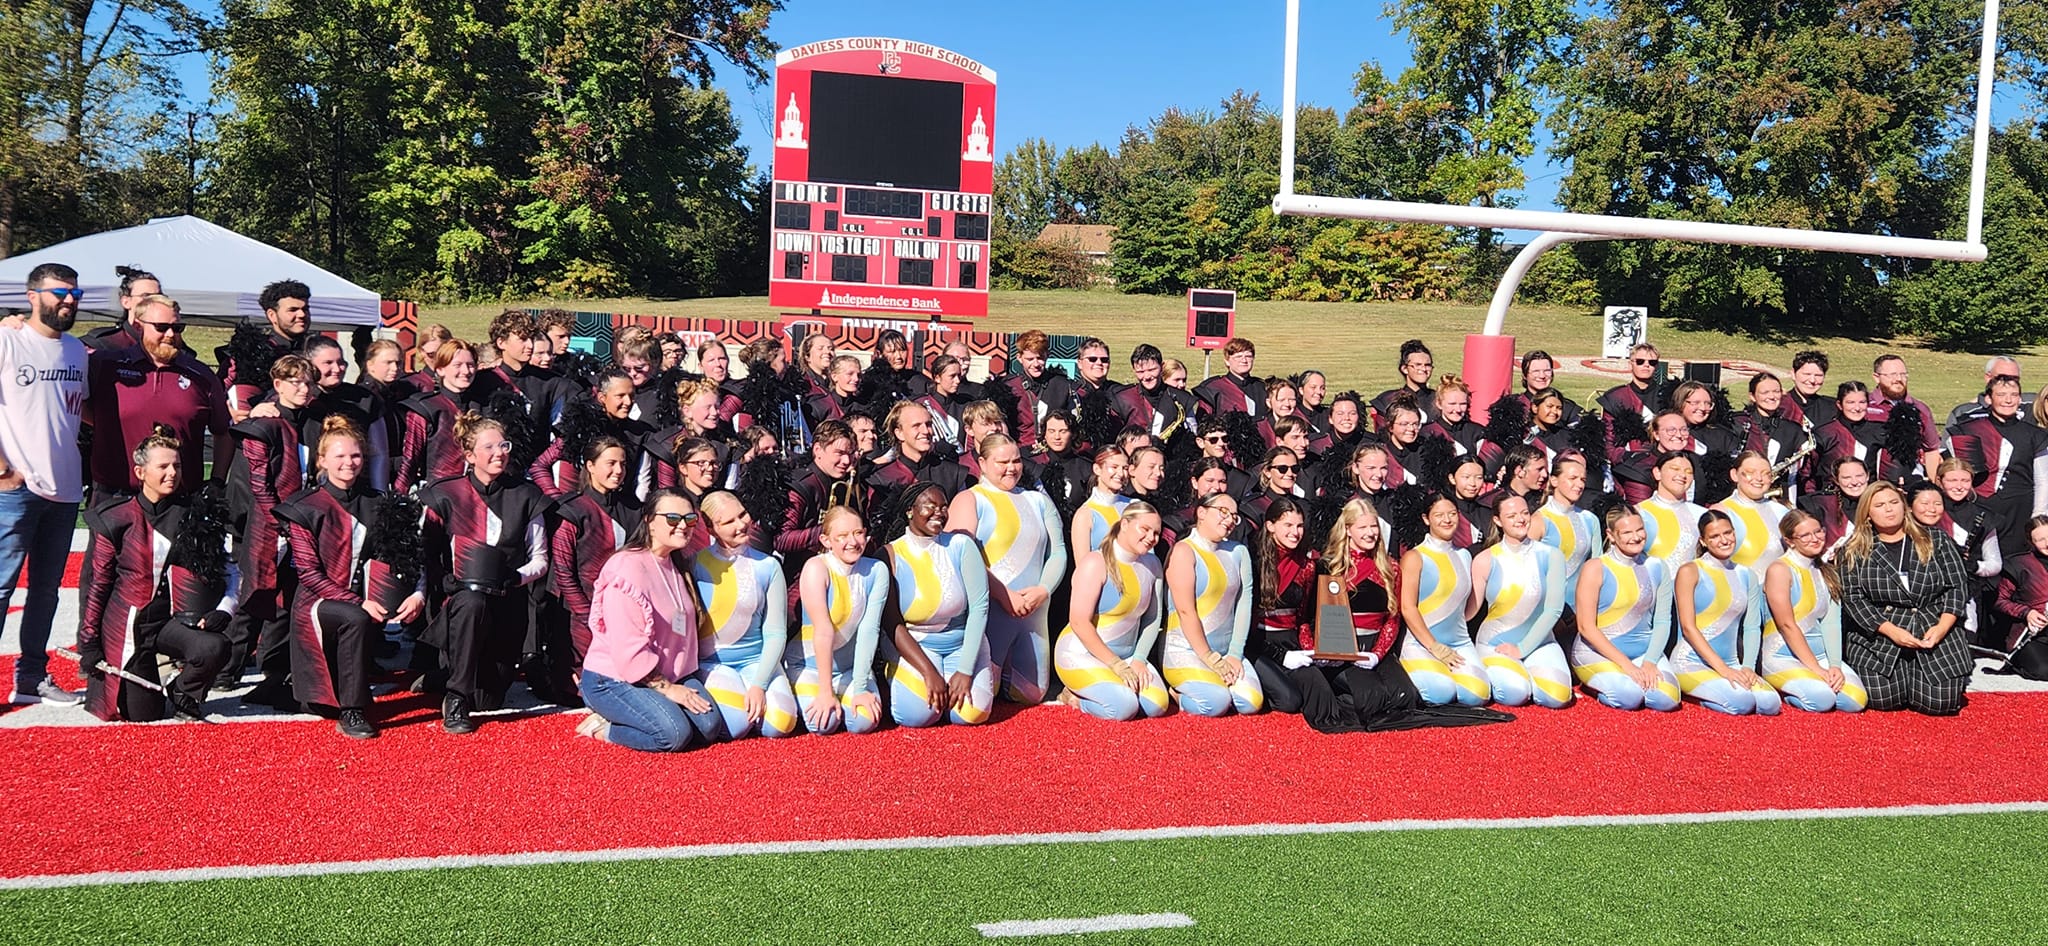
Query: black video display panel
(883, 130)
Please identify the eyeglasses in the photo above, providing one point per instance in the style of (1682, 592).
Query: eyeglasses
(1644, 361)
(166, 328)
(1212, 438)
(702, 463)
(1097, 359)
(1277, 468)
(677, 519)
(1227, 515)
(63, 294)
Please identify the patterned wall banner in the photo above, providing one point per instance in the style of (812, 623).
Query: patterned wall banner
(402, 320)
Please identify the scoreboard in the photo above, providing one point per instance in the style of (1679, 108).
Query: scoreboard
(883, 173)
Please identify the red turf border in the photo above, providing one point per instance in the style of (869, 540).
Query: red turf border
(172, 796)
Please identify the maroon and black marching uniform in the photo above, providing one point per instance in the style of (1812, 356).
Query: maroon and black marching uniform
(593, 525)
(362, 408)
(1817, 410)
(949, 477)
(824, 405)
(2003, 453)
(810, 494)
(429, 449)
(1777, 436)
(2022, 587)
(1468, 439)
(1572, 410)
(1231, 394)
(422, 381)
(1383, 403)
(665, 467)
(484, 543)
(120, 335)
(1400, 465)
(332, 637)
(1030, 411)
(145, 599)
(1644, 402)
(1475, 519)
(269, 466)
(1830, 510)
(559, 474)
(1880, 411)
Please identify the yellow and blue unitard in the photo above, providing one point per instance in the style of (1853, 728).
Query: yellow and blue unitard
(1673, 531)
(1101, 511)
(1021, 538)
(1728, 607)
(740, 644)
(1757, 544)
(1524, 594)
(1223, 604)
(1634, 612)
(942, 591)
(1820, 622)
(1443, 588)
(856, 595)
(1572, 531)
(1127, 619)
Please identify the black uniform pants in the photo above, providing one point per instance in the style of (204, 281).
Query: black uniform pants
(339, 675)
(480, 637)
(263, 622)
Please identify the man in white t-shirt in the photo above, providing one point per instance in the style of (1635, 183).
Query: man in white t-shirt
(42, 397)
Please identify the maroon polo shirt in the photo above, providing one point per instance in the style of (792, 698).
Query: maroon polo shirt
(129, 394)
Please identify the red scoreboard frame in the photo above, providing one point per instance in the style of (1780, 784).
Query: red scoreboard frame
(874, 245)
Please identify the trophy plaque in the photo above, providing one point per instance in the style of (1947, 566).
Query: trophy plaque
(1336, 638)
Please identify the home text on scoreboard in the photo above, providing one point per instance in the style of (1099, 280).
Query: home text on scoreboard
(884, 171)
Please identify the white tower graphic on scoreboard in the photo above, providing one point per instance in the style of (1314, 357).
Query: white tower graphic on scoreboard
(792, 127)
(977, 140)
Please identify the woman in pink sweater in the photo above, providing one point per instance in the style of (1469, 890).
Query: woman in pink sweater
(640, 676)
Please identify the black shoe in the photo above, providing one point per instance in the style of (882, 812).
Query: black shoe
(355, 725)
(455, 715)
(274, 694)
(184, 707)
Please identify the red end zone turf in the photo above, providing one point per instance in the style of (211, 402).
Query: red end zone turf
(169, 796)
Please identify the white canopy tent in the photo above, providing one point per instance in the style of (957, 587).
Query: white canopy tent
(215, 273)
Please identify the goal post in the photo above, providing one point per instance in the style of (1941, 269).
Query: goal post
(1488, 364)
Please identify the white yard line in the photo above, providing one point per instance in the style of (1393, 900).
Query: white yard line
(1094, 924)
(691, 851)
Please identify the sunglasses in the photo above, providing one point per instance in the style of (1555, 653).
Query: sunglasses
(63, 294)
(1097, 360)
(1277, 468)
(675, 519)
(1212, 438)
(166, 328)
(1644, 361)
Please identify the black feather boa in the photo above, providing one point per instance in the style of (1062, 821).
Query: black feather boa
(1433, 459)
(393, 536)
(579, 367)
(1326, 507)
(511, 410)
(1715, 479)
(763, 488)
(668, 413)
(249, 350)
(1902, 432)
(582, 423)
(1066, 495)
(999, 393)
(202, 535)
(1241, 437)
(882, 386)
(1099, 421)
(1629, 428)
(1589, 438)
(1405, 508)
(1175, 492)
(1507, 423)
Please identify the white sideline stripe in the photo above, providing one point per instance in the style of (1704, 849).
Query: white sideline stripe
(1094, 924)
(692, 851)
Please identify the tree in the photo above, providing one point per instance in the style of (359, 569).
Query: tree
(1819, 114)
(1995, 305)
(1479, 66)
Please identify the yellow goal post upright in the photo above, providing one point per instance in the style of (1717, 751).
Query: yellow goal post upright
(1489, 355)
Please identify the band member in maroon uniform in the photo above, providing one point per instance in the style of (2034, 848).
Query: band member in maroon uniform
(431, 451)
(514, 333)
(1770, 425)
(698, 403)
(942, 399)
(352, 402)
(910, 427)
(829, 481)
(595, 521)
(1635, 467)
(161, 584)
(1151, 403)
(1809, 372)
(2002, 448)
(336, 620)
(1235, 391)
(1040, 388)
(1092, 370)
(558, 469)
(288, 306)
(431, 339)
(269, 467)
(486, 539)
(1539, 373)
(1403, 431)
(1849, 477)
(715, 364)
(135, 284)
(815, 355)
(1643, 395)
(1454, 423)
(1888, 392)
(841, 383)
(1416, 365)
(1854, 433)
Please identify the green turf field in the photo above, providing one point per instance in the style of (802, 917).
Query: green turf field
(1950, 879)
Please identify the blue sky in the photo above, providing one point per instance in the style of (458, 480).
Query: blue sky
(1078, 72)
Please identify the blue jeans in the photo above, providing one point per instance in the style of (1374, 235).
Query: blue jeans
(38, 530)
(645, 720)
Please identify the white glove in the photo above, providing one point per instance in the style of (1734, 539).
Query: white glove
(1295, 659)
(1366, 661)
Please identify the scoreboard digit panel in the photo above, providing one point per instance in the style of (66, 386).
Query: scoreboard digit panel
(884, 170)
